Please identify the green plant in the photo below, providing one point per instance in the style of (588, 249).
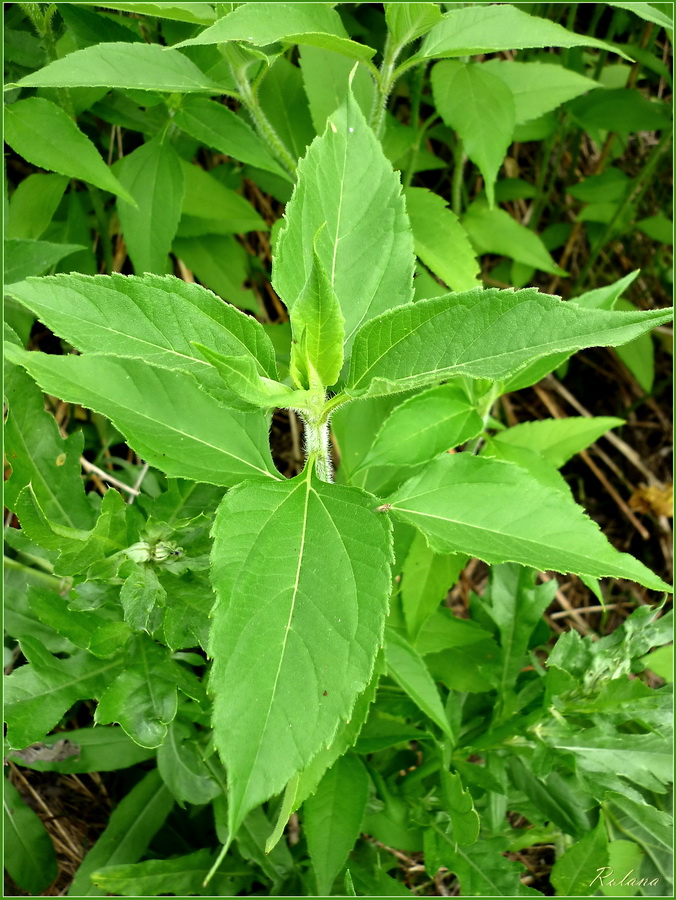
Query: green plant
(310, 661)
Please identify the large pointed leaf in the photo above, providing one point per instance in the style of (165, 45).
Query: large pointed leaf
(558, 440)
(145, 67)
(480, 107)
(489, 29)
(29, 851)
(293, 643)
(156, 319)
(481, 333)
(408, 668)
(500, 513)
(260, 24)
(164, 415)
(333, 817)
(574, 874)
(346, 183)
(46, 136)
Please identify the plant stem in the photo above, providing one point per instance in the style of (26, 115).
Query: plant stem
(317, 445)
(384, 85)
(262, 123)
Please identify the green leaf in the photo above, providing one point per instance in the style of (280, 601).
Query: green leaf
(223, 210)
(500, 513)
(101, 634)
(661, 662)
(312, 660)
(29, 852)
(326, 79)
(142, 67)
(142, 595)
(164, 415)
(480, 107)
(183, 769)
(516, 605)
(47, 137)
(318, 330)
(407, 667)
(558, 440)
(196, 13)
(178, 876)
(556, 799)
(440, 241)
(153, 177)
(99, 750)
(241, 376)
(407, 22)
(284, 103)
(131, 827)
(33, 205)
(261, 24)
(186, 624)
(129, 316)
(624, 857)
(221, 264)
(480, 868)
(495, 231)
(80, 549)
(621, 109)
(143, 698)
(421, 427)
(213, 124)
(426, 579)
(333, 816)
(39, 456)
(538, 88)
(574, 873)
(460, 807)
(37, 695)
(489, 29)
(655, 822)
(345, 738)
(480, 333)
(24, 258)
(366, 246)
(609, 758)
(638, 355)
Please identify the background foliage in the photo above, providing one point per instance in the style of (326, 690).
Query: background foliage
(517, 742)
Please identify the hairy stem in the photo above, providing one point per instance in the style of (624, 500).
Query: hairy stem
(263, 124)
(317, 445)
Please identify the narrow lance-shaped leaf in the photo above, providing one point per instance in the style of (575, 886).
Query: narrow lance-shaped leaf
(153, 318)
(440, 240)
(311, 652)
(39, 455)
(408, 668)
(46, 136)
(480, 107)
(153, 176)
(499, 513)
(481, 333)
(366, 247)
(29, 851)
(317, 317)
(164, 415)
(333, 817)
(218, 127)
(143, 67)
